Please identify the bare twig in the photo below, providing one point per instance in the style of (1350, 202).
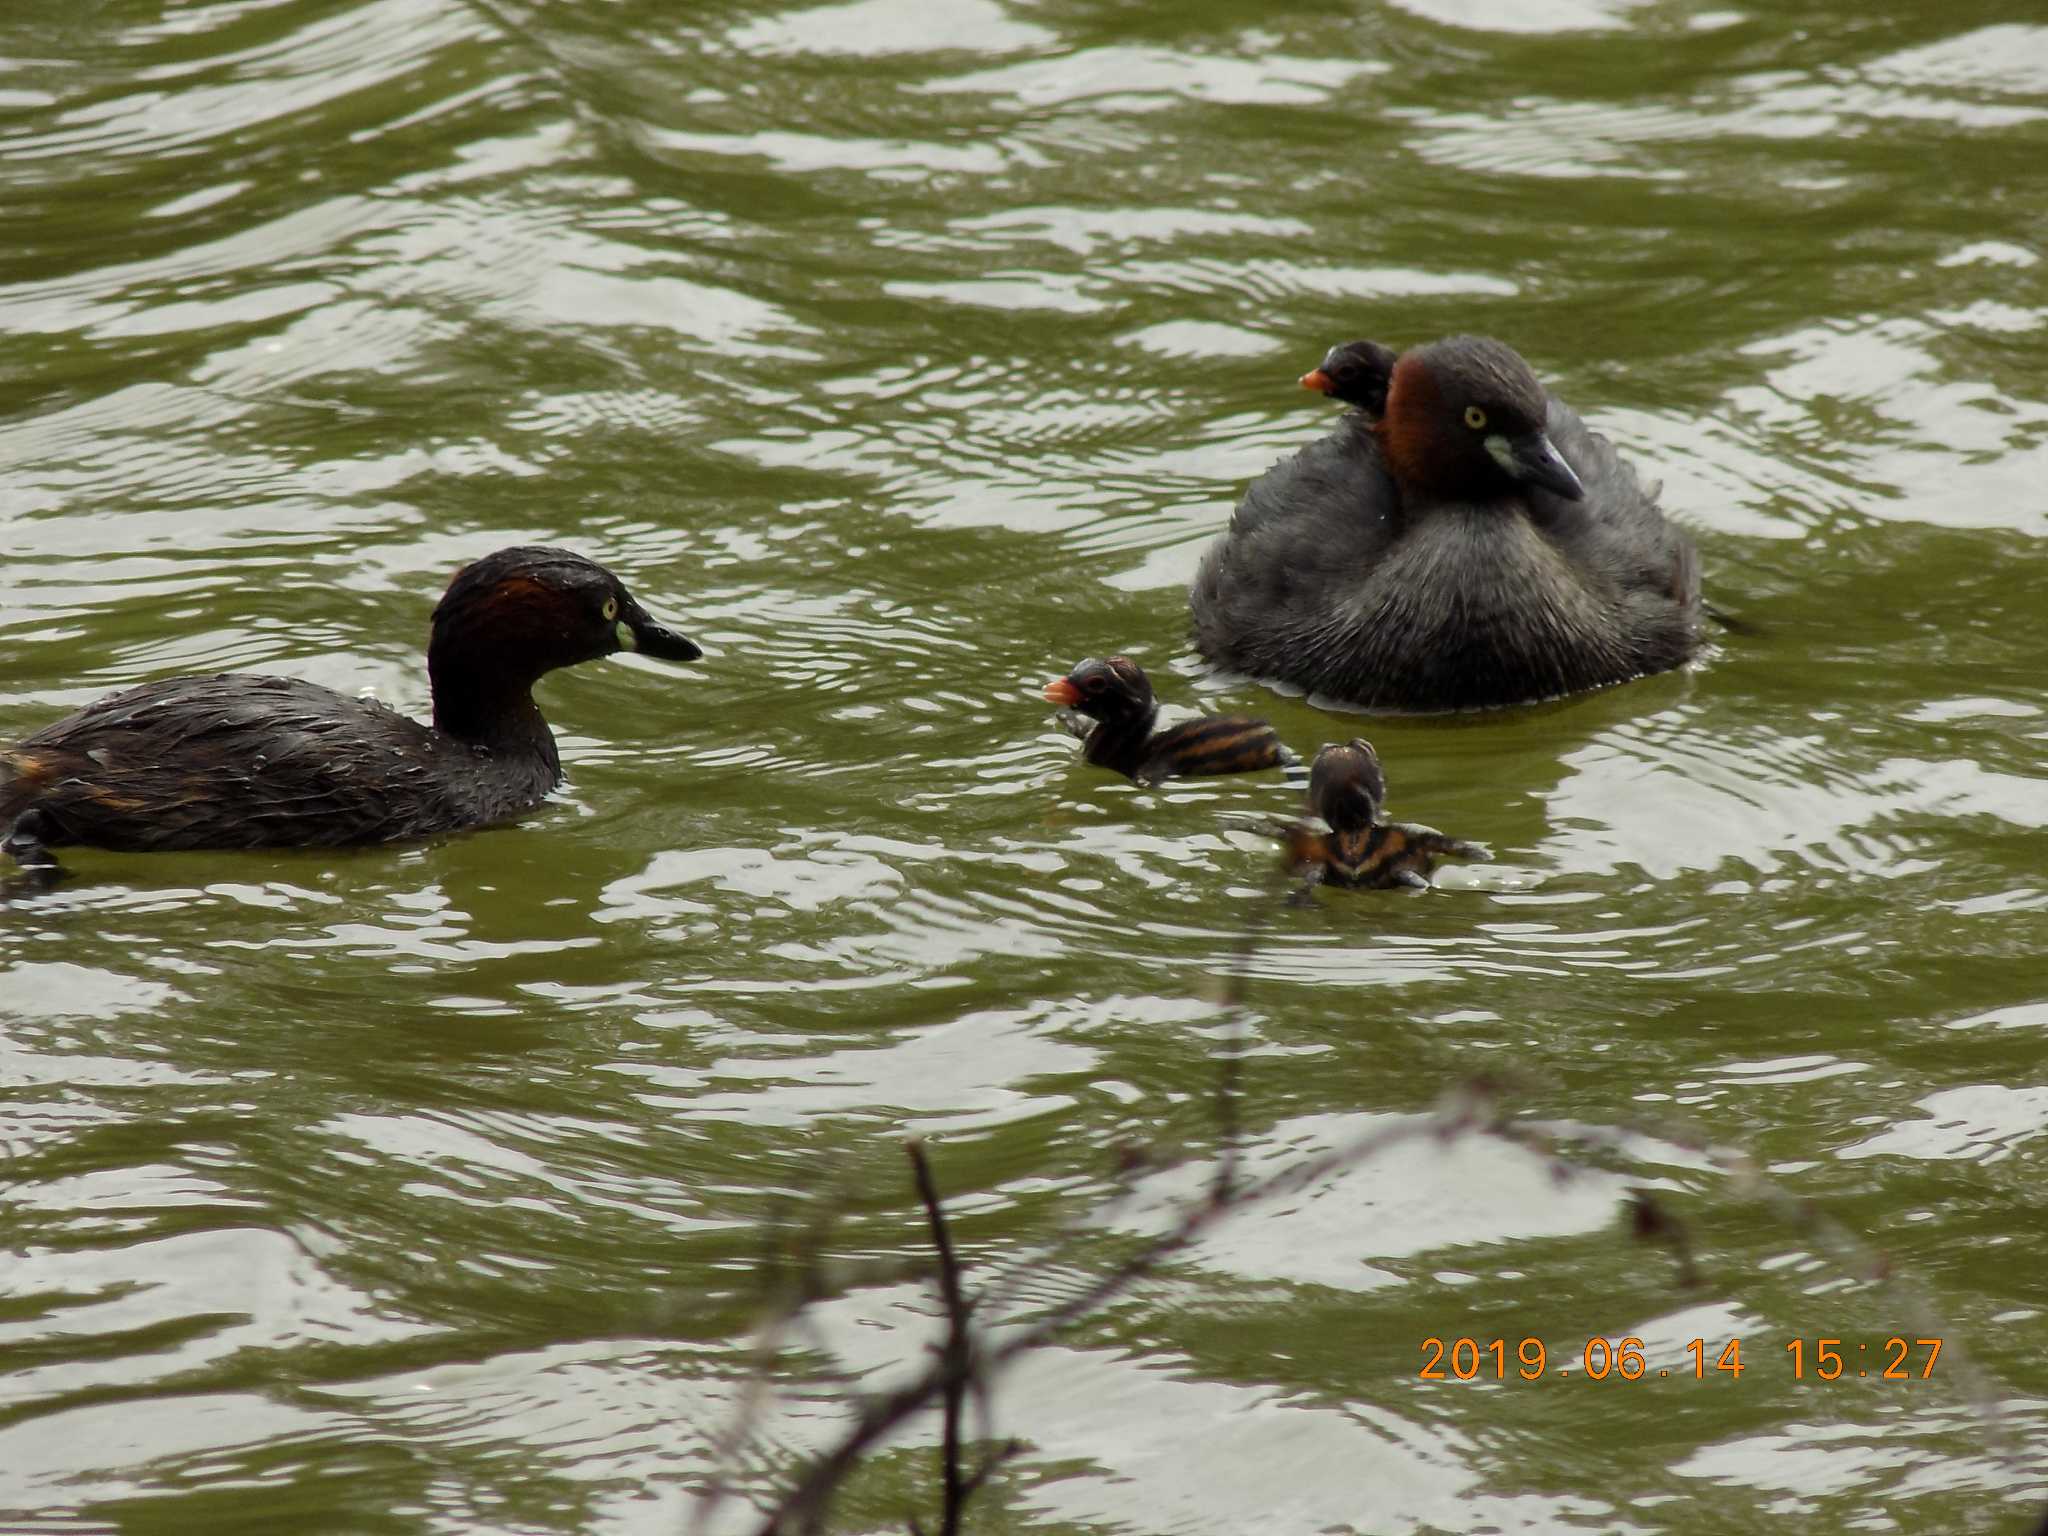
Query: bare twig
(956, 1355)
(790, 1275)
(771, 1277)
(1654, 1223)
(1473, 1107)
(1230, 1075)
(1466, 1110)
(1476, 1105)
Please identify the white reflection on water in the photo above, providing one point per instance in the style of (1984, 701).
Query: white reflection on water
(1877, 1457)
(2010, 57)
(1172, 1447)
(1984, 1122)
(1420, 1195)
(230, 1289)
(1132, 79)
(971, 1073)
(1526, 15)
(1982, 468)
(116, 1450)
(1667, 800)
(871, 28)
(58, 989)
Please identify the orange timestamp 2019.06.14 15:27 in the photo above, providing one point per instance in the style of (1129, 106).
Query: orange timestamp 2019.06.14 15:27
(1895, 1358)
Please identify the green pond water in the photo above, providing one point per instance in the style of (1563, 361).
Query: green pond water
(903, 352)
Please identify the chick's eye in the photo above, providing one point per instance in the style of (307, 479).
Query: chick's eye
(1475, 418)
(611, 609)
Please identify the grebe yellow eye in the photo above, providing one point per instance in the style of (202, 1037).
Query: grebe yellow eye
(611, 609)
(1475, 418)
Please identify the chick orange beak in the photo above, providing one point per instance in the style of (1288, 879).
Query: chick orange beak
(1062, 692)
(1316, 380)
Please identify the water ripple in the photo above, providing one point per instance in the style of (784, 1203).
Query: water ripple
(905, 354)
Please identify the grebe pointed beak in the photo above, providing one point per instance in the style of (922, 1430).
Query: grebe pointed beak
(1061, 691)
(1317, 380)
(638, 632)
(1534, 460)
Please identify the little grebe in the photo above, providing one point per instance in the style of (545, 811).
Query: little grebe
(245, 761)
(1347, 788)
(1117, 696)
(1357, 373)
(1460, 541)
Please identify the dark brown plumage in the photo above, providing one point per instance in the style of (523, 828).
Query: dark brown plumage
(1116, 696)
(1467, 543)
(1347, 789)
(241, 761)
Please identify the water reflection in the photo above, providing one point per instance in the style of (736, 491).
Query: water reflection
(915, 351)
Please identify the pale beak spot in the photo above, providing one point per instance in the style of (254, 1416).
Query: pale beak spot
(627, 640)
(1503, 454)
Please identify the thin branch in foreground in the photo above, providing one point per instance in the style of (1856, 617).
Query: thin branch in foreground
(1234, 996)
(1467, 1110)
(791, 1272)
(957, 1353)
(1653, 1222)
(1476, 1105)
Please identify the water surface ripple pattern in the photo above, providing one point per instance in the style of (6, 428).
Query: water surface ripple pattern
(905, 353)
